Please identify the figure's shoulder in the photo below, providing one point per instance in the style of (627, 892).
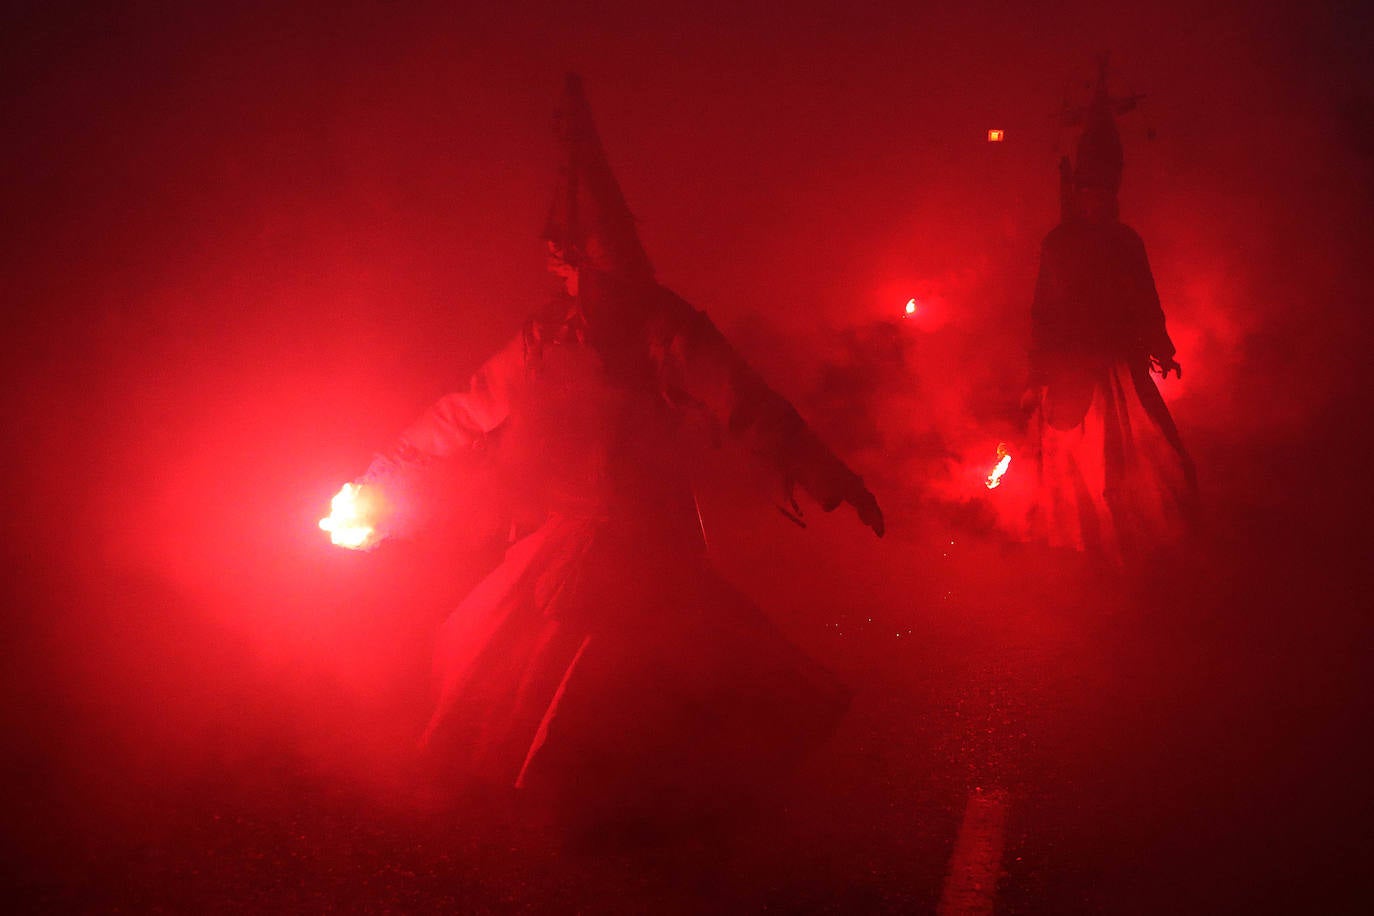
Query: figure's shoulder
(671, 302)
(1057, 234)
(1061, 237)
(1126, 236)
(616, 282)
(673, 316)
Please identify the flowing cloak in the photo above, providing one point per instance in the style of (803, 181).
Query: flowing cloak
(1114, 475)
(604, 657)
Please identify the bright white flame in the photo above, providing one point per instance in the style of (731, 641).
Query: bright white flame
(349, 522)
(1003, 462)
(911, 306)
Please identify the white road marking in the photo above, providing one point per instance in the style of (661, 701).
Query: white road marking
(971, 882)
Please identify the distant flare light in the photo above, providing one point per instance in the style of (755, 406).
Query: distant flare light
(994, 479)
(351, 514)
(910, 307)
(995, 135)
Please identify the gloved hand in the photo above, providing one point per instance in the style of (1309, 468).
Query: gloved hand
(1165, 365)
(867, 506)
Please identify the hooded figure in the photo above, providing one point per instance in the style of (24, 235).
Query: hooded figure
(1114, 476)
(604, 663)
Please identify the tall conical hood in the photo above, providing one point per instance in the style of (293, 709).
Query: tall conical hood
(589, 220)
(1098, 160)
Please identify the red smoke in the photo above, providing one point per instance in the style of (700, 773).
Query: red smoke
(246, 247)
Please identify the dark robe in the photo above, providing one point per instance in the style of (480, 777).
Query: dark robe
(1114, 475)
(605, 662)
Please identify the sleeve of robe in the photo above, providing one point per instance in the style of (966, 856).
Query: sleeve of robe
(1146, 314)
(699, 369)
(456, 424)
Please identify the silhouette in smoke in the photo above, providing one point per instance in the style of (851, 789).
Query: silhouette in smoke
(604, 665)
(1114, 475)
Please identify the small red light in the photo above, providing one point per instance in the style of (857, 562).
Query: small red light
(995, 136)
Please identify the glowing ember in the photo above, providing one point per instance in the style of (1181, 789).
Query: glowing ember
(351, 512)
(1003, 462)
(995, 136)
(911, 306)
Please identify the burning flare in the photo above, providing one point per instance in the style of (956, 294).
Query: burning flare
(352, 512)
(1003, 462)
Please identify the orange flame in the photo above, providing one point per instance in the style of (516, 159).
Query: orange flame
(1003, 462)
(911, 306)
(350, 518)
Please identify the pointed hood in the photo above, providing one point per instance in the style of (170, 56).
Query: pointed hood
(1098, 159)
(589, 219)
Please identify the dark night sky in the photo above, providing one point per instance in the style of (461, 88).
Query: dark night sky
(245, 244)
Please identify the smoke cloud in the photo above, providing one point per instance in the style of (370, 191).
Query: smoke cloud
(246, 245)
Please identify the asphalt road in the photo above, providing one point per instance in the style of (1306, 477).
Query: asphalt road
(1031, 732)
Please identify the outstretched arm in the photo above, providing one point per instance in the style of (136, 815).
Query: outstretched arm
(456, 424)
(460, 421)
(698, 367)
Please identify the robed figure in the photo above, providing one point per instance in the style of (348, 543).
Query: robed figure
(604, 662)
(1114, 476)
